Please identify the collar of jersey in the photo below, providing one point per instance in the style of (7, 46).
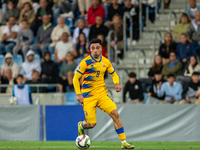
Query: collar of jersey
(95, 59)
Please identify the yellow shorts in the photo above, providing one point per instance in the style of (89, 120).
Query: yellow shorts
(90, 106)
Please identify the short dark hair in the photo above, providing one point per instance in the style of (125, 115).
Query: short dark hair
(132, 75)
(20, 76)
(195, 73)
(35, 72)
(157, 72)
(172, 52)
(170, 75)
(95, 40)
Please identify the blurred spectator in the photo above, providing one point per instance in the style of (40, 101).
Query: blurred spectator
(134, 87)
(29, 66)
(11, 11)
(172, 67)
(81, 47)
(7, 79)
(24, 39)
(117, 26)
(9, 64)
(114, 9)
(83, 6)
(22, 92)
(157, 66)
(67, 72)
(68, 9)
(35, 80)
(192, 67)
(27, 13)
(43, 10)
(57, 33)
(104, 45)
(3, 6)
(21, 3)
(192, 89)
(192, 9)
(181, 27)
(167, 47)
(81, 27)
(43, 36)
(172, 91)
(133, 9)
(50, 71)
(95, 10)
(184, 50)
(9, 36)
(152, 94)
(62, 48)
(151, 4)
(193, 31)
(98, 28)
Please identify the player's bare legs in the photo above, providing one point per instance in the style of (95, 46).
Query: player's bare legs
(116, 119)
(120, 130)
(88, 125)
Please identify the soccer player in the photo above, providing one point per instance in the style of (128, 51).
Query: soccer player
(93, 91)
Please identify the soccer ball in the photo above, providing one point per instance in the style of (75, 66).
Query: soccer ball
(83, 141)
(13, 100)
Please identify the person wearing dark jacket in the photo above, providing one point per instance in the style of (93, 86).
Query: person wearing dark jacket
(192, 89)
(167, 47)
(157, 66)
(50, 71)
(114, 9)
(98, 28)
(152, 94)
(35, 80)
(43, 10)
(134, 87)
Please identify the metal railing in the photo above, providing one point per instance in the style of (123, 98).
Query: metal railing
(169, 19)
(33, 85)
(154, 41)
(162, 6)
(127, 15)
(138, 64)
(124, 71)
(109, 47)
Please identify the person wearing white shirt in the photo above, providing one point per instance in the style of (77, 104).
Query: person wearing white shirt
(62, 48)
(9, 36)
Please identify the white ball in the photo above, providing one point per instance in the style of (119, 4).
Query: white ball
(13, 100)
(83, 141)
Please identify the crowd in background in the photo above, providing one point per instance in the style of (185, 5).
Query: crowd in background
(32, 28)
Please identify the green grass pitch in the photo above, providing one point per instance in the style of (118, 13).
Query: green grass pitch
(8, 145)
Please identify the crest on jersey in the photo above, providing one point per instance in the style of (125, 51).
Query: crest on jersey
(79, 67)
(104, 65)
(85, 113)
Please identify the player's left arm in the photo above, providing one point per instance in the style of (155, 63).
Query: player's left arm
(114, 76)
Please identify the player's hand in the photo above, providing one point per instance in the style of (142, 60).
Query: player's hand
(117, 87)
(172, 97)
(80, 98)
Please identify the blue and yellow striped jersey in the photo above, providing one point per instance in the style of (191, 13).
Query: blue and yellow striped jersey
(93, 71)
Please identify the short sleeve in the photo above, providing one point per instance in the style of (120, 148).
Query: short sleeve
(110, 68)
(82, 67)
(5, 30)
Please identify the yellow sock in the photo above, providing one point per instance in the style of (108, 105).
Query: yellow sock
(121, 134)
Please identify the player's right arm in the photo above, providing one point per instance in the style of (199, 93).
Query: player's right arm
(79, 72)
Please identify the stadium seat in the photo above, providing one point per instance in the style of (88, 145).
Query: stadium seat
(52, 57)
(71, 98)
(2, 59)
(37, 57)
(69, 22)
(18, 59)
